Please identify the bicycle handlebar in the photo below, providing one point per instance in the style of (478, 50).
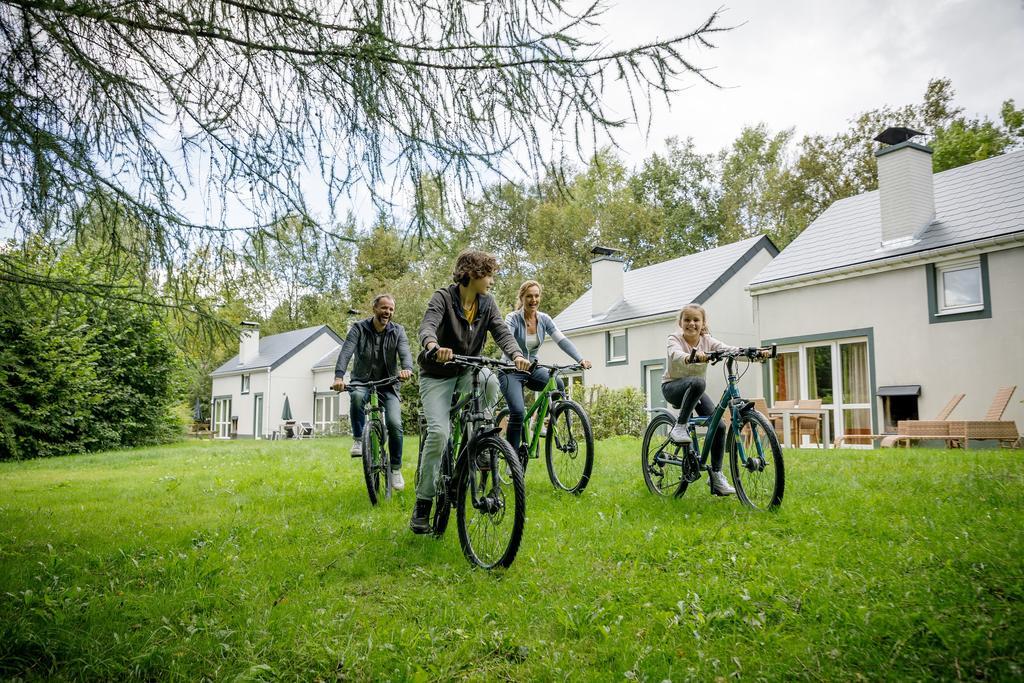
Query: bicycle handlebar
(558, 368)
(387, 381)
(748, 352)
(482, 361)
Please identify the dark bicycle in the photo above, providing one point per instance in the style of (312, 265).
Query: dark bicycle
(569, 441)
(755, 456)
(376, 459)
(480, 477)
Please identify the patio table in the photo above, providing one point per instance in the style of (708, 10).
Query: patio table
(787, 434)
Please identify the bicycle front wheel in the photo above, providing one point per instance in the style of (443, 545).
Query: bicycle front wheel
(663, 478)
(569, 447)
(491, 506)
(755, 460)
(376, 468)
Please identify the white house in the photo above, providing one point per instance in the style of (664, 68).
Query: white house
(893, 301)
(622, 322)
(249, 391)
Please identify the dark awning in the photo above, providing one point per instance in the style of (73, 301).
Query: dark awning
(900, 390)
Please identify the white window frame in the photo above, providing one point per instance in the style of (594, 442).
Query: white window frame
(222, 417)
(612, 336)
(326, 404)
(940, 290)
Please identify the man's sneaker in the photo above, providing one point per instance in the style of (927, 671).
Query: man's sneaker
(720, 485)
(397, 481)
(357, 449)
(679, 435)
(420, 522)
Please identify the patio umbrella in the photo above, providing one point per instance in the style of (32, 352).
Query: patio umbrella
(197, 411)
(286, 414)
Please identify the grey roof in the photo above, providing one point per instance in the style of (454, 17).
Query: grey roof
(276, 349)
(329, 360)
(974, 202)
(667, 286)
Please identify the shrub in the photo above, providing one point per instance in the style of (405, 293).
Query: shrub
(613, 412)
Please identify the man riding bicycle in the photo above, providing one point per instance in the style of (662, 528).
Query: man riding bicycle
(377, 346)
(457, 320)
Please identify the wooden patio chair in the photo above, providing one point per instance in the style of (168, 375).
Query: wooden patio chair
(777, 419)
(925, 428)
(808, 424)
(993, 427)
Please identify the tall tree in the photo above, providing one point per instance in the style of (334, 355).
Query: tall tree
(142, 102)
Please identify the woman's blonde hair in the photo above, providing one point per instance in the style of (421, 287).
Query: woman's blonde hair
(704, 329)
(522, 292)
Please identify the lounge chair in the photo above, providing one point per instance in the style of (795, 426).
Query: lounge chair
(937, 428)
(993, 427)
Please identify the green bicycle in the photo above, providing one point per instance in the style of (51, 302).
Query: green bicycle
(376, 460)
(480, 477)
(755, 456)
(569, 442)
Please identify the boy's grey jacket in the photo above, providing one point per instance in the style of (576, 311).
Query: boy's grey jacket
(445, 324)
(359, 345)
(545, 326)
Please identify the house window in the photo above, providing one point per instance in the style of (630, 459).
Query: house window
(327, 413)
(245, 383)
(651, 372)
(958, 290)
(616, 347)
(222, 417)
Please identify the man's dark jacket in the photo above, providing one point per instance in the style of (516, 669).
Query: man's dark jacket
(446, 324)
(359, 345)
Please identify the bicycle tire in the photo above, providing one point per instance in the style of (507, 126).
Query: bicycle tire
(566, 469)
(442, 501)
(490, 537)
(661, 479)
(761, 482)
(501, 421)
(375, 471)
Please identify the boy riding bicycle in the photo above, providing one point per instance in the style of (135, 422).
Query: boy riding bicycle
(457, 320)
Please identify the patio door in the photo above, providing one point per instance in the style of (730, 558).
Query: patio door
(222, 418)
(835, 371)
(257, 416)
(327, 413)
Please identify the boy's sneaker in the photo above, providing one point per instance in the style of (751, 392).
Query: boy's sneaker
(680, 435)
(357, 449)
(420, 522)
(397, 481)
(720, 485)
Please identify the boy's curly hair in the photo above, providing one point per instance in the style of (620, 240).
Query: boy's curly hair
(473, 264)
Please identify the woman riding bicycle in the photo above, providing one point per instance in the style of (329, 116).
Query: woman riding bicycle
(530, 326)
(683, 384)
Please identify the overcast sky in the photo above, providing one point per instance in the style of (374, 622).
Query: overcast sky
(816, 64)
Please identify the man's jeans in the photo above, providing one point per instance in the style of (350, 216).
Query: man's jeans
(392, 418)
(436, 395)
(512, 387)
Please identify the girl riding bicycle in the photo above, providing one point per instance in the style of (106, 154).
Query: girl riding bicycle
(684, 382)
(529, 326)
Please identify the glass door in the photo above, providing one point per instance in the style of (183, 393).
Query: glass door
(222, 418)
(257, 416)
(655, 399)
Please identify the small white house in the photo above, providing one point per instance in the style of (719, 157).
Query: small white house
(250, 390)
(622, 322)
(893, 301)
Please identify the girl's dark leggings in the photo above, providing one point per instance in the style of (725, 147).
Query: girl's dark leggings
(688, 394)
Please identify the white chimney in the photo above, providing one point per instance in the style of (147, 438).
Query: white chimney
(249, 342)
(905, 187)
(606, 275)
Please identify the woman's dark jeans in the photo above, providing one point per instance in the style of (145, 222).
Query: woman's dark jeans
(512, 387)
(688, 394)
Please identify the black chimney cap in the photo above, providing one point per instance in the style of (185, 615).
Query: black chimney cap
(604, 251)
(896, 135)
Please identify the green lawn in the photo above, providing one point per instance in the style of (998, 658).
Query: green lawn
(265, 562)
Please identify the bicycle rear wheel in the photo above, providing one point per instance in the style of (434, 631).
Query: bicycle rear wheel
(662, 478)
(569, 447)
(491, 508)
(755, 461)
(376, 466)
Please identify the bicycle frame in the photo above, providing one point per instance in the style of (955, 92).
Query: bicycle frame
(540, 407)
